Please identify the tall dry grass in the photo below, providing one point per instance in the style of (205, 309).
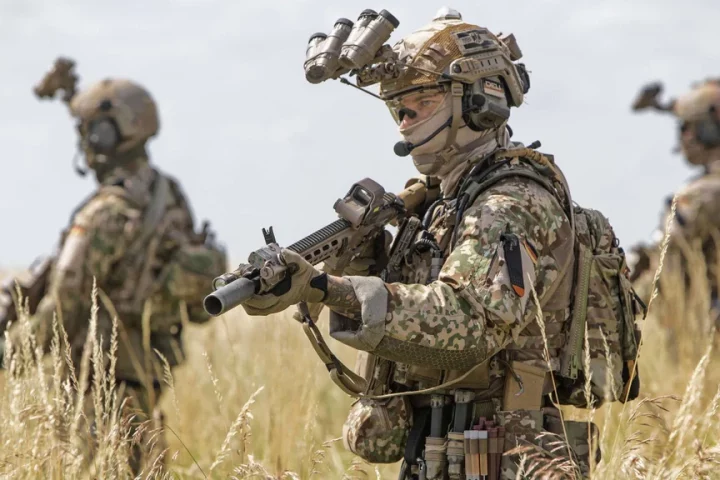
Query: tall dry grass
(253, 401)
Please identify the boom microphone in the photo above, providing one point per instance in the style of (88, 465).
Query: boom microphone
(403, 149)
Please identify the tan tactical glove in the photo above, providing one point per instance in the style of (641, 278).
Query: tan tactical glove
(306, 284)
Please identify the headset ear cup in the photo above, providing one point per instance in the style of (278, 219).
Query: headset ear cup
(483, 111)
(103, 135)
(708, 133)
(470, 108)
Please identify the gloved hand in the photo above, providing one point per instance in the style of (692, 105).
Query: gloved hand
(295, 288)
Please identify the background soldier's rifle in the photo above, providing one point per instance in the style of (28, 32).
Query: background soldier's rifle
(32, 285)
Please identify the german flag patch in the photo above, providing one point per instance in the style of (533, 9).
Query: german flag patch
(513, 261)
(532, 253)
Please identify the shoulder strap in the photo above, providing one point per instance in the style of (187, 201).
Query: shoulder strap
(483, 183)
(154, 213)
(475, 189)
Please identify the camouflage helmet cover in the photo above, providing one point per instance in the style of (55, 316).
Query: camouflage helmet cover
(450, 49)
(697, 103)
(699, 114)
(130, 106)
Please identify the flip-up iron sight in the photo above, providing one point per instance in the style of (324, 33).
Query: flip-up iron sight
(350, 46)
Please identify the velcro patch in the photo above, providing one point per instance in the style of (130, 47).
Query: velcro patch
(532, 253)
(493, 88)
(513, 259)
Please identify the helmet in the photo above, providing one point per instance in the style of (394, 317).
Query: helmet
(449, 49)
(115, 116)
(471, 66)
(699, 115)
(475, 69)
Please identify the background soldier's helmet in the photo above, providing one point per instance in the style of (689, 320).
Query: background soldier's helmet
(115, 115)
(699, 101)
(699, 115)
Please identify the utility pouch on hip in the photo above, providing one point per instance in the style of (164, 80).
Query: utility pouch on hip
(479, 379)
(523, 387)
(374, 370)
(377, 430)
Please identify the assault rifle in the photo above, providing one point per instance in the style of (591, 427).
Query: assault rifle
(33, 286)
(364, 212)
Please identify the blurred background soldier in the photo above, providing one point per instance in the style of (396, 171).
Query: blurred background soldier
(694, 230)
(134, 239)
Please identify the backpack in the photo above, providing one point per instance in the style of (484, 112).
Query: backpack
(177, 290)
(186, 277)
(605, 304)
(603, 300)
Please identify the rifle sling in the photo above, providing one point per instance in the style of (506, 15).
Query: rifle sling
(348, 381)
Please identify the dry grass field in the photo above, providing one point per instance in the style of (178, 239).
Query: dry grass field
(253, 401)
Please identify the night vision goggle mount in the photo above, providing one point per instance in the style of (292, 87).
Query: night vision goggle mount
(353, 47)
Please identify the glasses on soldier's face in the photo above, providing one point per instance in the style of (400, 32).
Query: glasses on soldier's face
(415, 107)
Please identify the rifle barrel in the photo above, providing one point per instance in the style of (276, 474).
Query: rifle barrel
(229, 296)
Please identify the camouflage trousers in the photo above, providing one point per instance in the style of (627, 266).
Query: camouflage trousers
(145, 422)
(537, 444)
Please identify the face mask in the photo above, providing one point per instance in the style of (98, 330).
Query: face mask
(426, 157)
(420, 131)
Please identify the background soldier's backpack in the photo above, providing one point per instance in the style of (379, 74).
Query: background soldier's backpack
(186, 277)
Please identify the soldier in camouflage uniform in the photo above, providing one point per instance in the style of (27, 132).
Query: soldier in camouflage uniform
(696, 224)
(459, 319)
(134, 238)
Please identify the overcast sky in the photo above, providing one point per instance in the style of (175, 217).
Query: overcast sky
(255, 145)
